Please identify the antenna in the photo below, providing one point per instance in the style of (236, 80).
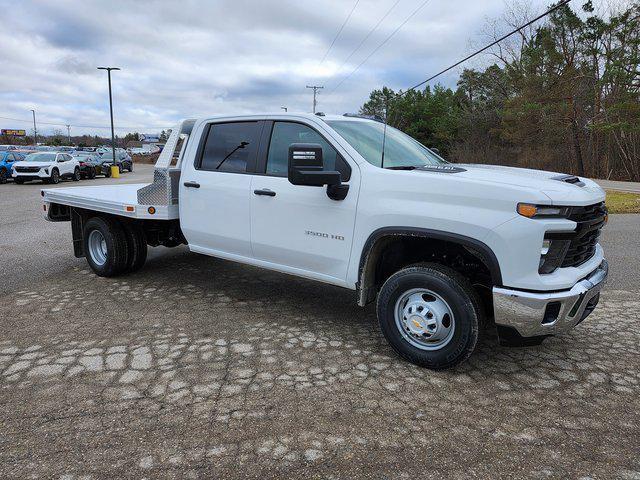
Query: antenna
(384, 132)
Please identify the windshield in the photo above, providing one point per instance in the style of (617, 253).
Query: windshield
(400, 150)
(40, 157)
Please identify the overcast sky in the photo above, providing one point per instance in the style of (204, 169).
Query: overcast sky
(190, 58)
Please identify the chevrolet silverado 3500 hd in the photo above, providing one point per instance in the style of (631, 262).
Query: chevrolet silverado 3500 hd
(348, 201)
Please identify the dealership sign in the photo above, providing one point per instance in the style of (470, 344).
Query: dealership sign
(13, 133)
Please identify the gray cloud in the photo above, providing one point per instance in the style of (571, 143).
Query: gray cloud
(193, 57)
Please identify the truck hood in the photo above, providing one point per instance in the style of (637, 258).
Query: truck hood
(33, 164)
(560, 188)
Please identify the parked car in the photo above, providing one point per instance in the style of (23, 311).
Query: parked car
(7, 159)
(49, 167)
(351, 202)
(107, 161)
(89, 163)
(123, 161)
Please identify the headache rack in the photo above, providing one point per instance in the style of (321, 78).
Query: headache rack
(166, 175)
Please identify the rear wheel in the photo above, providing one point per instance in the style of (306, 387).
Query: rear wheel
(105, 246)
(107, 173)
(430, 314)
(3, 175)
(76, 175)
(137, 245)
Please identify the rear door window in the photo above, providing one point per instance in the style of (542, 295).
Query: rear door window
(230, 147)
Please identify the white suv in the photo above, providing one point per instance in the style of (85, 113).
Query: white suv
(49, 167)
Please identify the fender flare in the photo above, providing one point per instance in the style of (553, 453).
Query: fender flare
(482, 250)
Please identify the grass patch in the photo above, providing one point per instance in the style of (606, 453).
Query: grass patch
(623, 202)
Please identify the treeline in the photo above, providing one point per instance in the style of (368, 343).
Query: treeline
(562, 96)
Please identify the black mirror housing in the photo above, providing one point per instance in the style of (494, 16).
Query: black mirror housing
(306, 166)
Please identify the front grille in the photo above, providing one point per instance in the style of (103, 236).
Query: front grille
(583, 240)
(27, 169)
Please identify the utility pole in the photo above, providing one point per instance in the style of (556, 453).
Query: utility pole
(35, 131)
(69, 134)
(315, 91)
(113, 140)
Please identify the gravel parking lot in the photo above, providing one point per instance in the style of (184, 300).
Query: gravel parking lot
(197, 367)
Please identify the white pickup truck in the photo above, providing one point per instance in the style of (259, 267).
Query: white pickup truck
(441, 247)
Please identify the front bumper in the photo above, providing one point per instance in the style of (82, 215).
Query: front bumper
(542, 314)
(32, 175)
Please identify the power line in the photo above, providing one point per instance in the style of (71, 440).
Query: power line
(339, 32)
(380, 45)
(83, 126)
(366, 37)
(551, 10)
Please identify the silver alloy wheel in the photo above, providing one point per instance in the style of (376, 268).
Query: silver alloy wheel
(97, 247)
(424, 319)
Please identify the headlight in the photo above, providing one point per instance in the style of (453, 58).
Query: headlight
(547, 211)
(552, 254)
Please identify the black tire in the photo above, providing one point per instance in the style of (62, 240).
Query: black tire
(107, 173)
(19, 181)
(117, 252)
(3, 176)
(92, 173)
(455, 290)
(55, 176)
(76, 175)
(137, 245)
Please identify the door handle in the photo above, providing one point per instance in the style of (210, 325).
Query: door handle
(192, 184)
(265, 191)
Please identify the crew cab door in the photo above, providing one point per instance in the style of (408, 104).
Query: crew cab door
(299, 228)
(215, 190)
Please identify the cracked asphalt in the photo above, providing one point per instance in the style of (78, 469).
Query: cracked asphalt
(196, 367)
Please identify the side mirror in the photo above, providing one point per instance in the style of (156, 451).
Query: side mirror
(306, 167)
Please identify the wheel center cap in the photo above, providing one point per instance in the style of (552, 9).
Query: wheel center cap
(419, 325)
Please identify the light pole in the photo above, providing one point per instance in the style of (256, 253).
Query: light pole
(113, 139)
(69, 134)
(35, 131)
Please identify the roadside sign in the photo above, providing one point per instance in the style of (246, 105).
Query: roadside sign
(13, 132)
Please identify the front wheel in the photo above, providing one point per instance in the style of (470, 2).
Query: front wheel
(55, 176)
(430, 314)
(3, 175)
